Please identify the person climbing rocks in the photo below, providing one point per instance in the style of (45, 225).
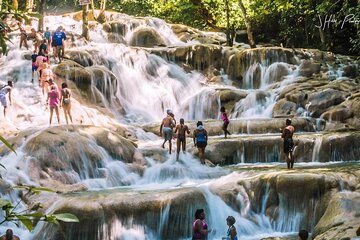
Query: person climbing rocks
(46, 76)
(53, 100)
(166, 128)
(231, 232)
(200, 137)
(47, 36)
(226, 121)
(66, 102)
(9, 235)
(303, 235)
(59, 38)
(199, 226)
(34, 65)
(37, 38)
(4, 90)
(181, 129)
(23, 36)
(287, 135)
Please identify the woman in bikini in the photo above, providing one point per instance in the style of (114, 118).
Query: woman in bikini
(66, 102)
(53, 100)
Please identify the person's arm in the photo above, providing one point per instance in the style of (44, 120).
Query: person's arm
(47, 100)
(232, 233)
(283, 133)
(187, 130)
(10, 100)
(176, 128)
(194, 137)
(161, 126)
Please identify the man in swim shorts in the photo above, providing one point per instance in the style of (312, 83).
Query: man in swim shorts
(287, 135)
(166, 128)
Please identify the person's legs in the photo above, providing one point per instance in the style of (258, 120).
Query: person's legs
(4, 111)
(183, 143)
(291, 160)
(178, 143)
(66, 115)
(57, 114)
(69, 113)
(170, 146)
(200, 150)
(51, 113)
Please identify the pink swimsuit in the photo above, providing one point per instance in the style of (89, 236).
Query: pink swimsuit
(54, 97)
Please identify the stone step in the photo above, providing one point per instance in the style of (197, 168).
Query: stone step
(246, 126)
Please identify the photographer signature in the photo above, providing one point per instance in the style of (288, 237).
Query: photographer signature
(331, 19)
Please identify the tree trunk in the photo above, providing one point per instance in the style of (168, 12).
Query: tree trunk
(103, 5)
(85, 26)
(41, 19)
(29, 5)
(15, 4)
(0, 5)
(102, 18)
(228, 37)
(248, 25)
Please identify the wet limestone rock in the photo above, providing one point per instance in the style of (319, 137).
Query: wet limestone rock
(146, 37)
(68, 154)
(340, 219)
(321, 100)
(284, 108)
(308, 68)
(340, 114)
(74, 72)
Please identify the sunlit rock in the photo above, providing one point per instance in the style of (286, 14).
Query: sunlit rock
(146, 37)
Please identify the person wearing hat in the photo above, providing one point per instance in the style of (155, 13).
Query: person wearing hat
(287, 135)
(200, 137)
(166, 128)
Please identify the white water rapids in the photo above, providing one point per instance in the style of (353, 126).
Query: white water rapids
(145, 85)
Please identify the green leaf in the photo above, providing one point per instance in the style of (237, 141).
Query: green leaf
(66, 217)
(7, 144)
(34, 215)
(35, 189)
(4, 203)
(25, 221)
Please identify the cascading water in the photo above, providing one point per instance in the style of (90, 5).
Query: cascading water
(130, 86)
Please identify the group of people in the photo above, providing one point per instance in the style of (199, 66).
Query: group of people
(200, 230)
(200, 136)
(40, 65)
(43, 41)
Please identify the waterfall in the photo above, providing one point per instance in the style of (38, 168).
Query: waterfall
(316, 149)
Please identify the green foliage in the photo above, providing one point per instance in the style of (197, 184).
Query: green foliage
(32, 216)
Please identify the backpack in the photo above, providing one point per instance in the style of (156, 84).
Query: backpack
(201, 136)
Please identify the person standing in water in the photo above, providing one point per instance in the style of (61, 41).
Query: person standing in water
(34, 65)
(166, 128)
(181, 129)
(66, 102)
(23, 36)
(200, 227)
(200, 137)
(6, 89)
(231, 232)
(9, 235)
(226, 121)
(47, 36)
(287, 135)
(53, 101)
